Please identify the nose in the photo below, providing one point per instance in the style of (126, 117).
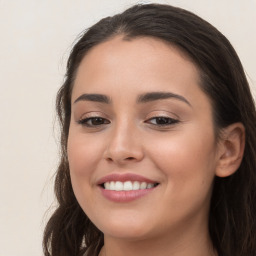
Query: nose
(124, 145)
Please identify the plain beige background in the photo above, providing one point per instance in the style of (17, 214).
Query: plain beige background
(35, 39)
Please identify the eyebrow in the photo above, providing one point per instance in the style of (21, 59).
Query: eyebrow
(143, 98)
(94, 97)
(153, 96)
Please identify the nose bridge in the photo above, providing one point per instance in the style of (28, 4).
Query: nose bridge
(124, 143)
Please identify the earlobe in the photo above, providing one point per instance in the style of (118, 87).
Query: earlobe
(231, 150)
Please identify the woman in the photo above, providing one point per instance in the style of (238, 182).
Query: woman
(158, 141)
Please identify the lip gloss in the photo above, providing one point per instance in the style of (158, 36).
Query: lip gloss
(125, 196)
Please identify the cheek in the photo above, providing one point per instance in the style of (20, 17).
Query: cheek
(83, 158)
(188, 164)
(180, 154)
(83, 155)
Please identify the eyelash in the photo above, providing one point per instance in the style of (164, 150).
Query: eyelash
(164, 121)
(91, 119)
(168, 121)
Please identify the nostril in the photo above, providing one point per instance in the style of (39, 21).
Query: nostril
(109, 159)
(129, 158)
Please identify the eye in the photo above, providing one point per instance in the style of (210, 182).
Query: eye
(162, 121)
(93, 121)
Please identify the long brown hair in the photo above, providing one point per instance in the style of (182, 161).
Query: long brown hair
(232, 220)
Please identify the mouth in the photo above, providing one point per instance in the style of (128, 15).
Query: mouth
(127, 185)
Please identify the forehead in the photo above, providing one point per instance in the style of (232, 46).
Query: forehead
(122, 49)
(132, 61)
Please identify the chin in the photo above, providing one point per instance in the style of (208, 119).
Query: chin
(126, 229)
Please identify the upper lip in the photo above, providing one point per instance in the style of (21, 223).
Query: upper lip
(124, 177)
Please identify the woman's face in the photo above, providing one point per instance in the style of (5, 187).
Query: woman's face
(141, 144)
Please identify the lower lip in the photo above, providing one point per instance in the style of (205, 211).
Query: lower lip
(125, 196)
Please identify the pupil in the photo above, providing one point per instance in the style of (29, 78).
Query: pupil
(97, 121)
(162, 120)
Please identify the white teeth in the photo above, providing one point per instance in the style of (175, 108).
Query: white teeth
(143, 185)
(127, 185)
(112, 185)
(136, 185)
(107, 185)
(150, 185)
(119, 186)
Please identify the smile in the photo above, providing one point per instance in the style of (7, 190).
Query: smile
(128, 185)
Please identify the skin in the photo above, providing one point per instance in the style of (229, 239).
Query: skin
(183, 157)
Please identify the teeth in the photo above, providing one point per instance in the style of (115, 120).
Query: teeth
(150, 185)
(143, 185)
(119, 186)
(127, 185)
(107, 185)
(112, 185)
(136, 185)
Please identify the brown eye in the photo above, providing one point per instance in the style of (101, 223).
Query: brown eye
(162, 121)
(93, 121)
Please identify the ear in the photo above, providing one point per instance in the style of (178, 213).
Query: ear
(231, 150)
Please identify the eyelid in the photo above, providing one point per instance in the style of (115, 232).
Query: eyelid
(90, 116)
(161, 113)
(163, 119)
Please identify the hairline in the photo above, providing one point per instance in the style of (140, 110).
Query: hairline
(126, 36)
